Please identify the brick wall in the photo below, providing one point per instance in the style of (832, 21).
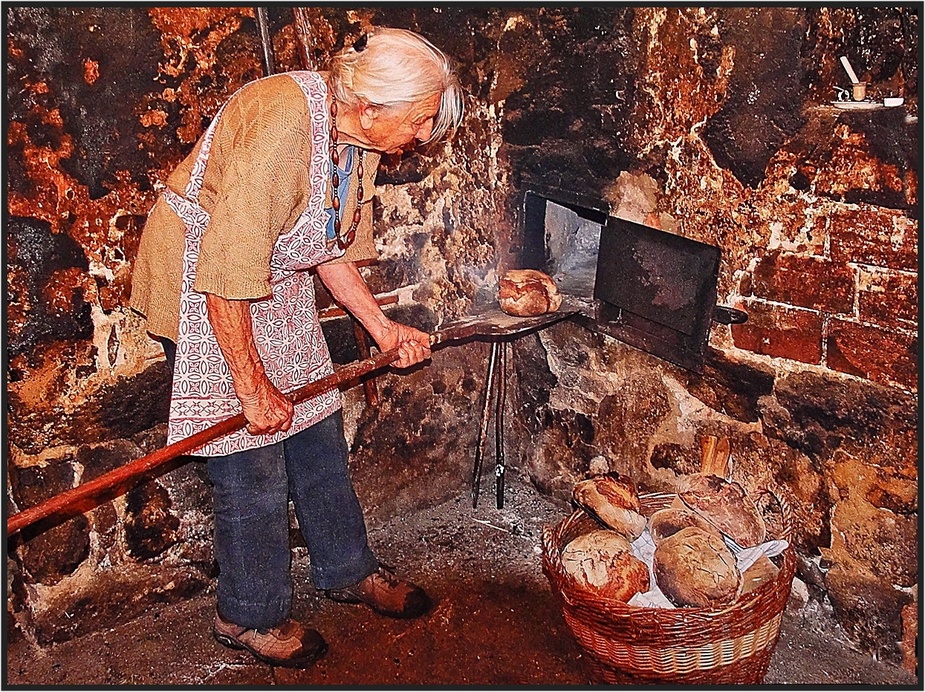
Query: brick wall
(841, 292)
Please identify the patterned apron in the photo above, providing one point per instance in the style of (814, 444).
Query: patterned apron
(286, 330)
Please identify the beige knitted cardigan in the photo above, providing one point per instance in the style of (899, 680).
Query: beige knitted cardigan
(255, 188)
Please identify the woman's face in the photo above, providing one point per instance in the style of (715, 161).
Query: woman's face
(392, 128)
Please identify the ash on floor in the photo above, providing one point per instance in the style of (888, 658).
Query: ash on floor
(496, 622)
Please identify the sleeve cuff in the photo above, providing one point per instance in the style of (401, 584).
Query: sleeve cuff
(232, 287)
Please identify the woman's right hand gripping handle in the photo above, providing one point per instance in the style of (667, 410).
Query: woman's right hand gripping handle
(267, 410)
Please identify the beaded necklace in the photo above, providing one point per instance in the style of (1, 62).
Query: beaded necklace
(343, 240)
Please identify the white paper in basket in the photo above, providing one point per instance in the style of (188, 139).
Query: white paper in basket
(644, 549)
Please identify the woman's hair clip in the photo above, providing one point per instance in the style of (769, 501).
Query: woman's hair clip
(360, 44)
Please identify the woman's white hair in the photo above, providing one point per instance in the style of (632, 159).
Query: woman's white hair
(387, 67)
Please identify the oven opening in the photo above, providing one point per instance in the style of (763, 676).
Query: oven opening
(562, 238)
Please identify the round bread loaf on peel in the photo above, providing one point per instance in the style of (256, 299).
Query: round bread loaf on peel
(725, 505)
(603, 562)
(611, 499)
(694, 567)
(527, 292)
(667, 522)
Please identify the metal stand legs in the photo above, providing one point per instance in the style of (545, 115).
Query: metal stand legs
(500, 391)
(494, 389)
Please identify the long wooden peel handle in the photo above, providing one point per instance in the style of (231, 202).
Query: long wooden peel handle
(83, 497)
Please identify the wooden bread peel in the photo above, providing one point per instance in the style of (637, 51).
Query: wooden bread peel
(491, 324)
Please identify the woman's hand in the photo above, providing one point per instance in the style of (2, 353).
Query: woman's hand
(413, 344)
(267, 410)
(349, 289)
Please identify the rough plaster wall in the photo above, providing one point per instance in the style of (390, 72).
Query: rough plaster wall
(671, 115)
(102, 104)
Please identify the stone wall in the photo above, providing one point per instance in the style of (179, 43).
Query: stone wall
(712, 123)
(716, 124)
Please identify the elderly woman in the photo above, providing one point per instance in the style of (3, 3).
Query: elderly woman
(281, 183)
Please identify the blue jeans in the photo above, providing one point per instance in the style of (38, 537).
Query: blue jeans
(251, 491)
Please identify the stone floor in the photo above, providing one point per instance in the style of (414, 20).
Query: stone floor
(495, 623)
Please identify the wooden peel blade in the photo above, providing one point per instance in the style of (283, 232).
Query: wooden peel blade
(91, 494)
(495, 323)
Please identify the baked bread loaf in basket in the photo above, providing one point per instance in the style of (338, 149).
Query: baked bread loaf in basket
(626, 644)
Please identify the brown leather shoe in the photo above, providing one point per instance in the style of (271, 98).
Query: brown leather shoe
(386, 594)
(289, 644)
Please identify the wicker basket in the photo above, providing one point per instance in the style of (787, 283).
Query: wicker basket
(627, 644)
